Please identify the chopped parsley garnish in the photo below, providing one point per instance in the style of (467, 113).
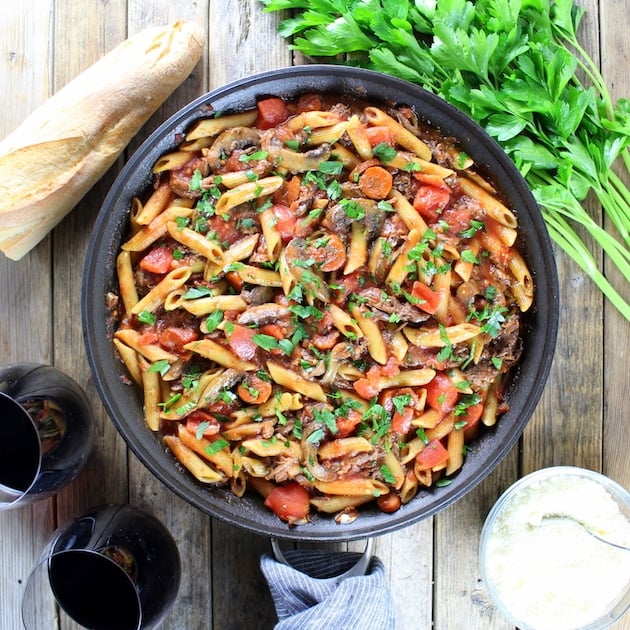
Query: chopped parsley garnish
(161, 367)
(384, 152)
(331, 167)
(216, 446)
(146, 317)
(388, 475)
(473, 228)
(213, 320)
(198, 292)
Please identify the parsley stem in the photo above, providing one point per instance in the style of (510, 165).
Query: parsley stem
(565, 237)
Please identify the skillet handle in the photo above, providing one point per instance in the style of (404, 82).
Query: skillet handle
(357, 569)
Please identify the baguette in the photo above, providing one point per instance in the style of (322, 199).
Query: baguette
(67, 144)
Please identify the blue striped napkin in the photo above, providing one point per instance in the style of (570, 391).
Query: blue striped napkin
(307, 597)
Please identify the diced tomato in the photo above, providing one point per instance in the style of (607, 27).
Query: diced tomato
(235, 163)
(457, 219)
(158, 260)
(379, 134)
(274, 330)
(401, 422)
(442, 394)
(430, 299)
(241, 343)
(271, 112)
(148, 337)
(365, 388)
(432, 455)
(226, 231)
(350, 283)
(309, 103)
(284, 220)
(289, 502)
(391, 368)
(494, 243)
(174, 338)
(401, 419)
(472, 417)
(347, 424)
(430, 201)
(368, 387)
(288, 192)
(211, 426)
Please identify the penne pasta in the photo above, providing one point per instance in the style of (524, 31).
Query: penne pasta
(155, 298)
(495, 209)
(247, 192)
(219, 354)
(323, 305)
(352, 487)
(372, 332)
(344, 323)
(203, 246)
(192, 462)
(150, 351)
(292, 381)
(214, 126)
(334, 504)
(219, 457)
(377, 117)
(151, 388)
(126, 281)
(158, 201)
(130, 358)
(441, 337)
(156, 229)
(273, 242)
(359, 138)
(171, 161)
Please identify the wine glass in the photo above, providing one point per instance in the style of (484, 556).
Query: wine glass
(46, 432)
(114, 567)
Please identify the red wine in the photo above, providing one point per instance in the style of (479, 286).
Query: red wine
(19, 447)
(94, 591)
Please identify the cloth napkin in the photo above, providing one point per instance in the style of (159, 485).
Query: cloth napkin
(307, 597)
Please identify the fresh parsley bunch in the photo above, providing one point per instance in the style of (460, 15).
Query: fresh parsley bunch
(517, 68)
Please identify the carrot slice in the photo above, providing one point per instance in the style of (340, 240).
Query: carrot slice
(375, 182)
(254, 390)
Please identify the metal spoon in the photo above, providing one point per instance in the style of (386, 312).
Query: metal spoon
(568, 517)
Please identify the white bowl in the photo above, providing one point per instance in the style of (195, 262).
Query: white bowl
(549, 574)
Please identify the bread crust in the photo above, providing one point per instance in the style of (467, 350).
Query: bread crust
(67, 144)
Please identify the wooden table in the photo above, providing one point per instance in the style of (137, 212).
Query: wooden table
(432, 567)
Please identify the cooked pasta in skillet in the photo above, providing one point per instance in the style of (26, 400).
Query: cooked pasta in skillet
(320, 300)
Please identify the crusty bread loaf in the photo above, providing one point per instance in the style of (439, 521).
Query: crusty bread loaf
(67, 144)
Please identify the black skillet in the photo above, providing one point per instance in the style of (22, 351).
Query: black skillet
(123, 402)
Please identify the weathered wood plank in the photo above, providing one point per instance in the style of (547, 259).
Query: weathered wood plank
(616, 446)
(408, 558)
(615, 58)
(25, 52)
